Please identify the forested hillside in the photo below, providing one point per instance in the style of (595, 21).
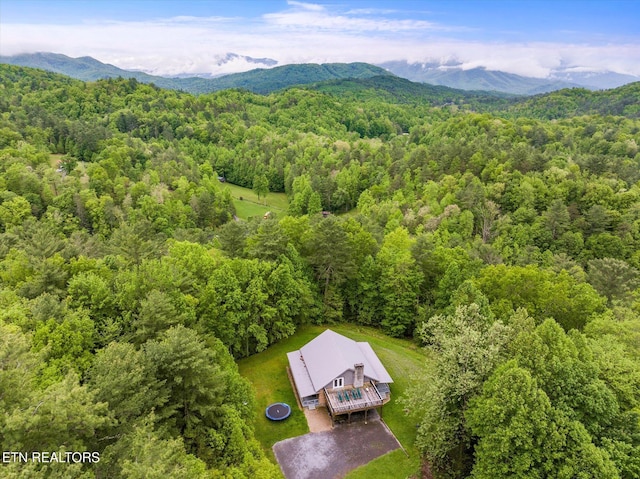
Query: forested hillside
(500, 235)
(268, 80)
(258, 80)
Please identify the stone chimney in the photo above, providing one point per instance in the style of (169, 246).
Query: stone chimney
(358, 380)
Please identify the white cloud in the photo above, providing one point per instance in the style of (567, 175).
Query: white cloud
(371, 11)
(307, 6)
(305, 32)
(321, 18)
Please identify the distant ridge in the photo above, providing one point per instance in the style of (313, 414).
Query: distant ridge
(451, 73)
(400, 90)
(82, 68)
(273, 78)
(259, 80)
(277, 78)
(475, 79)
(90, 69)
(596, 80)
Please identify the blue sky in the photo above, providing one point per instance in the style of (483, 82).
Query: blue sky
(532, 37)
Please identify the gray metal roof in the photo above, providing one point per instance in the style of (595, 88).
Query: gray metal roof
(300, 375)
(329, 356)
(381, 375)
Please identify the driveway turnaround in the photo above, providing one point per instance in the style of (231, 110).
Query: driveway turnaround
(332, 454)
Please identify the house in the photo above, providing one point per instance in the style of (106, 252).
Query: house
(337, 372)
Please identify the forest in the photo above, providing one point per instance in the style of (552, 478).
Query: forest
(500, 233)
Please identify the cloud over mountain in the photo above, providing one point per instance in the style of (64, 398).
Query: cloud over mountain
(304, 32)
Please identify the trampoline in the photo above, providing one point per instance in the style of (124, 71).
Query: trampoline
(278, 411)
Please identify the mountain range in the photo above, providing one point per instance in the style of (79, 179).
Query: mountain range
(452, 74)
(478, 78)
(259, 80)
(218, 66)
(272, 77)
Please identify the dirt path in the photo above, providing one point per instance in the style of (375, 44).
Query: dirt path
(318, 419)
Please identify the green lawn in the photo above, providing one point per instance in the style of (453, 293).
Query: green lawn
(250, 205)
(246, 209)
(267, 372)
(54, 159)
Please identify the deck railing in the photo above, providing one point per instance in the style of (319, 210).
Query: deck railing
(369, 398)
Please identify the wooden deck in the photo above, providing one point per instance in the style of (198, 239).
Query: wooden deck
(369, 398)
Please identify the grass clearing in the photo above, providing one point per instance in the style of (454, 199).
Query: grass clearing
(267, 373)
(54, 159)
(245, 209)
(250, 205)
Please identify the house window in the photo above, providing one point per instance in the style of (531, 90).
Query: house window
(338, 383)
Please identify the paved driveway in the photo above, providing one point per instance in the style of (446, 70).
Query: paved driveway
(332, 454)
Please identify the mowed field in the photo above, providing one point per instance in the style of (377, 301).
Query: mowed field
(247, 203)
(54, 159)
(267, 372)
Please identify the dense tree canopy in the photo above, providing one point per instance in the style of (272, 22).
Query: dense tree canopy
(504, 235)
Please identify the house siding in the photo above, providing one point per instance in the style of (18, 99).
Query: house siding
(349, 377)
